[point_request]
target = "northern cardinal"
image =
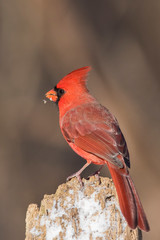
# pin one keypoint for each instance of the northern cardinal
(94, 133)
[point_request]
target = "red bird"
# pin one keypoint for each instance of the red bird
(94, 133)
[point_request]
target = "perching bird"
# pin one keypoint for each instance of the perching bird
(94, 133)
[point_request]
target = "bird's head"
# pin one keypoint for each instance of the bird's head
(71, 88)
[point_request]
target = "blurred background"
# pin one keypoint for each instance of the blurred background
(40, 42)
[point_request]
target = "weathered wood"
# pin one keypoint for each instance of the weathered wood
(76, 212)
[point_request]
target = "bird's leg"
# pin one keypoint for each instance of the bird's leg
(96, 173)
(77, 174)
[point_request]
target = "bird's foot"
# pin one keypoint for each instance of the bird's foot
(78, 176)
(96, 174)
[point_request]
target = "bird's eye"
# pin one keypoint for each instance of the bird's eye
(61, 91)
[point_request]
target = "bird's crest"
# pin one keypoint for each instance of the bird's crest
(78, 76)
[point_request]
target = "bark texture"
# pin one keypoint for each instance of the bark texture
(75, 212)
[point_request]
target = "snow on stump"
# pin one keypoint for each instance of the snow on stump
(74, 212)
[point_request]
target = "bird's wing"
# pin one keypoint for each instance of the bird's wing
(92, 128)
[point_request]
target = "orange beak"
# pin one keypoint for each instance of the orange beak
(51, 95)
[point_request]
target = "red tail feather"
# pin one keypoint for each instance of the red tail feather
(129, 201)
(142, 219)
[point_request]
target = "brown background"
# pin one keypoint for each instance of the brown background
(40, 42)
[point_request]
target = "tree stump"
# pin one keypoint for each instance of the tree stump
(88, 212)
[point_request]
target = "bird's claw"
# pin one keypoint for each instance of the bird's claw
(77, 176)
(96, 174)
